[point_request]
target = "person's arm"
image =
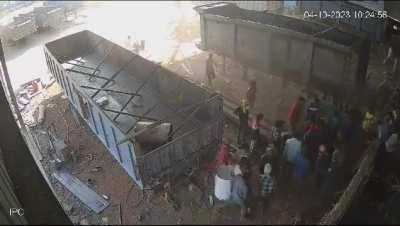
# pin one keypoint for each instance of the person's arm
(285, 150)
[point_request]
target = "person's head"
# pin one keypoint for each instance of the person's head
(267, 169)
(237, 170)
(244, 164)
(323, 149)
(129, 37)
(301, 99)
(210, 56)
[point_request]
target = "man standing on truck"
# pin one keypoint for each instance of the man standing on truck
(210, 69)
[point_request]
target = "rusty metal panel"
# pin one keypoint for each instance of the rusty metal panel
(249, 44)
(326, 71)
(217, 31)
(274, 43)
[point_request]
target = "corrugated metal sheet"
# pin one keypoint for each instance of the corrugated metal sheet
(252, 5)
(89, 197)
(272, 43)
(372, 5)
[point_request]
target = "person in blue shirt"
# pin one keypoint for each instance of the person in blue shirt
(301, 168)
(240, 191)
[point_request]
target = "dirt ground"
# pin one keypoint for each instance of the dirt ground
(274, 97)
(287, 206)
(115, 183)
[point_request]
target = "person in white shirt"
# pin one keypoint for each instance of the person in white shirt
(291, 149)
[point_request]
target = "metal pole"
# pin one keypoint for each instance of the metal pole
(110, 90)
(129, 114)
(8, 87)
(29, 185)
(87, 74)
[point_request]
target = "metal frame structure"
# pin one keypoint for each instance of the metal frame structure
(193, 139)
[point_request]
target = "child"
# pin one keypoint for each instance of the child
(267, 184)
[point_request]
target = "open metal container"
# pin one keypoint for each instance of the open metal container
(305, 52)
(113, 89)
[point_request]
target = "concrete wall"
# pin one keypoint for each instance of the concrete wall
(97, 120)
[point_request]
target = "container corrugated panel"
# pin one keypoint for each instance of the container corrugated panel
(273, 43)
(249, 5)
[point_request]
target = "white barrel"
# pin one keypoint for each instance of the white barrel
(223, 183)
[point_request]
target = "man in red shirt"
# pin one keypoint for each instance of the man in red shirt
(295, 113)
(223, 157)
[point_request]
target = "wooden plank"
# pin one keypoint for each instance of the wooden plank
(89, 197)
(355, 187)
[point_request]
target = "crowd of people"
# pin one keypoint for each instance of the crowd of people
(308, 145)
(311, 145)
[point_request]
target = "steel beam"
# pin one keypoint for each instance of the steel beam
(191, 114)
(138, 90)
(103, 60)
(88, 74)
(40, 205)
(110, 90)
(129, 114)
(115, 75)
(144, 114)
(174, 114)
(82, 66)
